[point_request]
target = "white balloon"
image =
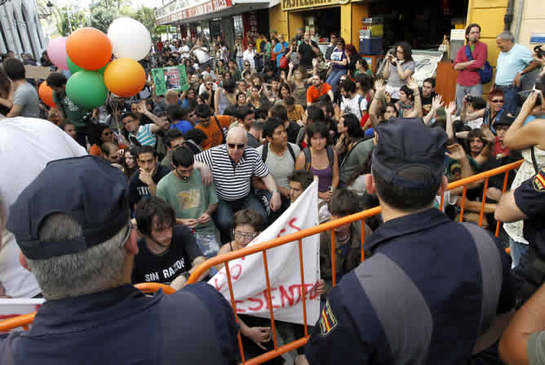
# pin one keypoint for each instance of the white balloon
(129, 38)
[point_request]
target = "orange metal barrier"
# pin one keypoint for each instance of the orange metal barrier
(298, 236)
(26, 319)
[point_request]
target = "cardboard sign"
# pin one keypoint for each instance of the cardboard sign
(169, 78)
(248, 274)
(37, 72)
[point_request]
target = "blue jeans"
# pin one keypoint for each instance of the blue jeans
(517, 250)
(334, 77)
(510, 97)
(226, 209)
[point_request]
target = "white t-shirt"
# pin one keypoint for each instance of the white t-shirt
(26, 146)
(249, 56)
(201, 54)
(354, 105)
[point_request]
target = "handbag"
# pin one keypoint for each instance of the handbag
(283, 63)
(485, 72)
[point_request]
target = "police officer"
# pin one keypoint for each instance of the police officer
(528, 202)
(524, 339)
(76, 237)
(429, 286)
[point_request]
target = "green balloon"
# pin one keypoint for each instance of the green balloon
(87, 89)
(75, 68)
(72, 66)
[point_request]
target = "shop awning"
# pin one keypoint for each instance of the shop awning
(186, 11)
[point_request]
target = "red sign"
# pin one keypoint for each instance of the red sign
(210, 6)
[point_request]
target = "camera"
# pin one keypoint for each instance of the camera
(540, 53)
(469, 98)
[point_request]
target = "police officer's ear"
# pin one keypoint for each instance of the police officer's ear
(443, 186)
(132, 243)
(370, 184)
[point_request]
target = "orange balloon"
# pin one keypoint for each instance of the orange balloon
(124, 77)
(89, 48)
(46, 94)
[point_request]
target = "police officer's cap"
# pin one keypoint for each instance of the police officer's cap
(87, 189)
(409, 153)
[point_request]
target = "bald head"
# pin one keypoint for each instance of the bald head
(237, 138)
(238, 133)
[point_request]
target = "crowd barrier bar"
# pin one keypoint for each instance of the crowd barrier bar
(298, 236)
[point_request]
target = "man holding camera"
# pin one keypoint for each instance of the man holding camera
(467, 63)
(308, 50)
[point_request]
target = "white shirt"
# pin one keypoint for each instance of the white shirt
(202, 54)
(249, 55)
(26, 146)
(354, 105)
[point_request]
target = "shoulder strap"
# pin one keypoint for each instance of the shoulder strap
(292, 153)
(265, 152)
(468, 53)
(221, 129)
(534, 161)
(308, 158)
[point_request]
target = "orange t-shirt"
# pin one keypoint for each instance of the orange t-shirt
(215, 135)
(313, 93)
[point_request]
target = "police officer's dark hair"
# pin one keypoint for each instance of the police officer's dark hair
(279, 111)
(405, 198)
(315, 113)
(55, 79)
(430, 80)
(352, 123)
(270, 125)
(182, 156)
(171, 135)
(146, 149)
(176, 112)
(303, 177)
(250, 217)
(348, 86)
(202, 110)
(147, 209)
(14, 69)
(344, 202)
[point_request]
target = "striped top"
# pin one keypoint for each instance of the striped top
(233, 181)
(145, 137)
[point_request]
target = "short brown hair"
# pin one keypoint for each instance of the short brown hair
(250, 217)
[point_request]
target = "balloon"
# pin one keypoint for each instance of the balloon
(89, 48)
(86, 89)
(129, 38)
(124, 77)
(56, 51)
(46, 94)
(75, 68)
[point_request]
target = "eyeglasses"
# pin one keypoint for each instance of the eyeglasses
(497, 101)
(236, 145)
(245, 235)
(127, 234)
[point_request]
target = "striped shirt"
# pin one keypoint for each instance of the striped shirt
(145, 137)
(233, 181)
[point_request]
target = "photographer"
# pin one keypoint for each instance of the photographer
(471, 111)
(308, 50)
(398, 68)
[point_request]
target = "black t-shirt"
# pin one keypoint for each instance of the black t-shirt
(307, 54)
(530, 198)
(139, 190)
(426, 101)
(293, 131)
(164, 268)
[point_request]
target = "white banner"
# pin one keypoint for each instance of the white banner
(13, 307)
(426, 64)
(248, 275)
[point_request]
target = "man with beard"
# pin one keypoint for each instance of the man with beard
(143, 183)
(192, 201)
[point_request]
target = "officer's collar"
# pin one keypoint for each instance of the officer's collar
(405, 225)
(86, 311)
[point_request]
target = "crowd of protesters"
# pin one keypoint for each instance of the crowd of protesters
(210, 166)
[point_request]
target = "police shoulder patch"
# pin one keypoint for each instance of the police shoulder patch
(539, 181)
(327, 320)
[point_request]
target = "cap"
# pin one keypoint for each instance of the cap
(87, 189)
(505, 119)
(408, 147)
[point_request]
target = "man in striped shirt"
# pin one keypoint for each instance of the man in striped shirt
(233, 165)
(144, 134)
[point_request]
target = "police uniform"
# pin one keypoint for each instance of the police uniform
(429, 286)
(120, 325)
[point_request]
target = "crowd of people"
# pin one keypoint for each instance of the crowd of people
(210, 166)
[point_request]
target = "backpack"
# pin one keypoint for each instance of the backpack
(308, 157)
(485, 73)
(266, 152)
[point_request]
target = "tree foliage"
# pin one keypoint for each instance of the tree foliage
(146, 16)
(69, 20)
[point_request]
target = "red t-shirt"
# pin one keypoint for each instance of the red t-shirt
(313, 93)
(469, 76)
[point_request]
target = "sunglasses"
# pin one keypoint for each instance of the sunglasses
(245, 235)
(107, 134)
(497, 101)
(236, 145)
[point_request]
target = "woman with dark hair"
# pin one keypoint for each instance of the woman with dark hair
(320, 159)
(284, 91)
(339, 64)
(352, 56)
(101, 134)
(398, 68)
(6, 93)
(349, 132)
(129, 161)
(225, 96)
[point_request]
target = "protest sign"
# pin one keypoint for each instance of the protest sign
(248, 275)
(169, 78)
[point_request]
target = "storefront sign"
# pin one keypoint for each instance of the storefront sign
(173, 12)
(302, 4)
(169, 78)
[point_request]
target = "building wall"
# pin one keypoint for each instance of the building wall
(278, 20)
(532, 20)
(21, 30)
